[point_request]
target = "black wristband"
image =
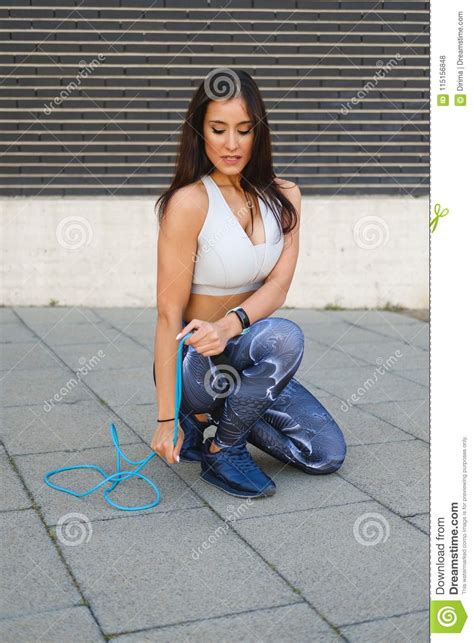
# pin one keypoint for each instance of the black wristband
(242, 315)
(168, 420)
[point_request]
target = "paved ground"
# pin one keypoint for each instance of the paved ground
(331, 557)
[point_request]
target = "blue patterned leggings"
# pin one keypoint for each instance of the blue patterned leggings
(251, 394)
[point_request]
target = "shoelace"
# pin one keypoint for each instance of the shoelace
(243, 459)
(120, 475)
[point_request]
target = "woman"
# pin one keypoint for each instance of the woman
(227, 252)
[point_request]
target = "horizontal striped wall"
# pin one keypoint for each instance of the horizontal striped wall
(346, 85)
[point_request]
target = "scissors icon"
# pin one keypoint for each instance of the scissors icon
(438, 215)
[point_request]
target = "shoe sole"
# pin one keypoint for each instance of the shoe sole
(216, 482)
(183, 458)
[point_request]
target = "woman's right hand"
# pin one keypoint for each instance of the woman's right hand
(162, 441)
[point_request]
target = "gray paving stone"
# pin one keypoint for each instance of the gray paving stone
(296, 490)
(368, 317)
(7, 316)
(54, 504)
(66, 427)
(144, 574)
(62, 333)
(416, 334)
(365, 384)
(27, 356)
(144, 334)
(398, 629)
(33, 576)
(418, 375)
(122, 354)
(340, 333)
(142, 417)
(411, 356)
(16, 332)
(322, 553)
(54, 626)
(297, 622)
(409, 361)
(319, 393)
(422, 521)
(51, 386)
(305, 316)
(410, 415)
(360, 427)
(33, 315)
(126, 386)
(421, 338)
(318, 355)
(395, 474)
(13, 494)
(346, 374)
(123, 317)
(139, 324)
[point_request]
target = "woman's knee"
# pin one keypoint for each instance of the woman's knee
(282, 337)
(335, 460)
(327, 461)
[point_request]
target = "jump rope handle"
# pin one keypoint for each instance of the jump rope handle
(179, 386)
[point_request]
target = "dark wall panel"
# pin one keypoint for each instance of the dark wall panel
(346, 85)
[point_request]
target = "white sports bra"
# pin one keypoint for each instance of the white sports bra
(227, 261)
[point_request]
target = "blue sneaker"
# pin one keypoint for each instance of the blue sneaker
(233, 470)
(193, 429)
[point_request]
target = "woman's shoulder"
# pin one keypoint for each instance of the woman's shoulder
(190, 196)
(292, 191)
(284, 183)
(187, 206)
(290, 187)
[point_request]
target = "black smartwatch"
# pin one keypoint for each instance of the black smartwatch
(242, 315)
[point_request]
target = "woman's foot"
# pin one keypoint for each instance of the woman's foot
(232, 470)
(193, 436)
(213, 448)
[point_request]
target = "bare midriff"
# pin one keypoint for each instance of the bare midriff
(212, 307)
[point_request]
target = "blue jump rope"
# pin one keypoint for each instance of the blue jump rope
(120, 475)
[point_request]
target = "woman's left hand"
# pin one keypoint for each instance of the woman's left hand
(207, 339)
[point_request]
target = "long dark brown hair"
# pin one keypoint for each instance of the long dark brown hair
(258, 177)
